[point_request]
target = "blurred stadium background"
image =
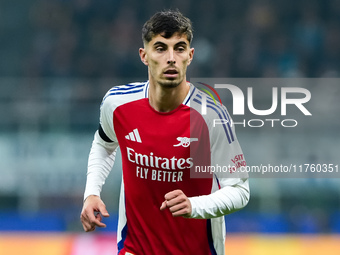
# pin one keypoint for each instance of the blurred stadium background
(59, 57)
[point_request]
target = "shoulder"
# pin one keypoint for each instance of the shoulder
(127, 89)
(214, 113)
(121, 94)
(207, 106)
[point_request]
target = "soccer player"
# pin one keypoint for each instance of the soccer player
(169, 202)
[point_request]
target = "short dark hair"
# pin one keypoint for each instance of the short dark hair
(167, 23)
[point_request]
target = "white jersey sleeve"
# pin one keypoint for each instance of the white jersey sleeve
(100, 162)
(230, 190)
(103, 151)
(105, 143)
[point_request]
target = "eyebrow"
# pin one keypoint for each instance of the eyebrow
(159, 43)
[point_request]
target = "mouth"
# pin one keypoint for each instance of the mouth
(171, 73)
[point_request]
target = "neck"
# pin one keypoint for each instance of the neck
(167, 99)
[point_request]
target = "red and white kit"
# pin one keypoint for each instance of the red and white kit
(162, 152)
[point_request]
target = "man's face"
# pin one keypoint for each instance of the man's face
(167, 59)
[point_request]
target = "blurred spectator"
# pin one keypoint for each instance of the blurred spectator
(92, 39)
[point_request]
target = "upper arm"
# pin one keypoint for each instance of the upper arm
(226, 152)
(106, 128)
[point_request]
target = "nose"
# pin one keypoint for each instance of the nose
(171, 57)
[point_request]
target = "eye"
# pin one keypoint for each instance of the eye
(180, 49)
(160, 49)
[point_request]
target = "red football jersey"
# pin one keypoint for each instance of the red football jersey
(162, 152)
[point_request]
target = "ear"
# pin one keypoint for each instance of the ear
(191, 55)
(143, 56)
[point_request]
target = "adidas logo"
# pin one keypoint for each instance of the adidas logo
(134, 136)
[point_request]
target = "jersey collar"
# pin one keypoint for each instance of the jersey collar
(186, 100)
(146, 89)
